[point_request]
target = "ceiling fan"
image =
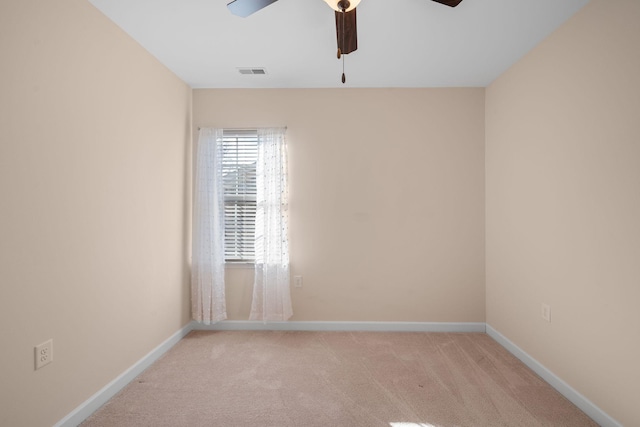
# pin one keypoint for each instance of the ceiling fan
(345, 11)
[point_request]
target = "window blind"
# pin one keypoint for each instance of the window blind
(239, 157)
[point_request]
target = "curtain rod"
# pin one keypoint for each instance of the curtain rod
(254, 128)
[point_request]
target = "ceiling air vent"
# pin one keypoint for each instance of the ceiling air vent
(252, 71)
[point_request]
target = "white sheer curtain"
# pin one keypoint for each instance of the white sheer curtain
(207, 266)
(271, 292)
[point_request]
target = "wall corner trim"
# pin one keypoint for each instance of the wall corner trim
(92, 404)
(594, 412)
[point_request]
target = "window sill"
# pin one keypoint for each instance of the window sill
(239, 265)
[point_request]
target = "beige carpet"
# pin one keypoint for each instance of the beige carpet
(338, 379)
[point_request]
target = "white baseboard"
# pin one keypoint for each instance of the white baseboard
(597, 414)
(92, 404)
(248, 325)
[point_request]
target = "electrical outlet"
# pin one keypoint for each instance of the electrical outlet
(44, 354)
(297, 281)
(545, 312)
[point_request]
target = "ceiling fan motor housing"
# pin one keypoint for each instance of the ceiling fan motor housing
(343, 5)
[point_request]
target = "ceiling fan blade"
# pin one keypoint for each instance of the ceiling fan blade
(245, 8)
(452, 3)
(347, 41)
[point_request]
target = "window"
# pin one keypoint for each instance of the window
(239, 157)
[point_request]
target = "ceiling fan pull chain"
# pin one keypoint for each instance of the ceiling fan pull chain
(344, 79)
(344, 13)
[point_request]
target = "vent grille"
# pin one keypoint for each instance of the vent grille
(256, 71)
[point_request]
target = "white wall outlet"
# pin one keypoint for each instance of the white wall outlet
(545, 312)
(297, 281)
(44, 354)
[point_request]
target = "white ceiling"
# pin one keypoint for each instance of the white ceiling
(401, 43)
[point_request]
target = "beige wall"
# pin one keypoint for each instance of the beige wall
(94, 135)
(387, 203)
(387, 199)
(563, 204)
